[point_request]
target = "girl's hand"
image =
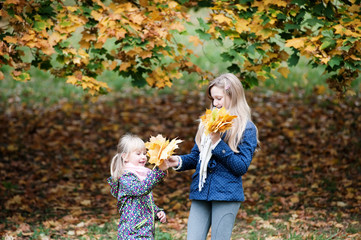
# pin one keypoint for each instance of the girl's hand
(164, 166)
(215, 136)
(162, 217)
(173, 161)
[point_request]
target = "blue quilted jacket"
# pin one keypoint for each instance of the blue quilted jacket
(225, 169)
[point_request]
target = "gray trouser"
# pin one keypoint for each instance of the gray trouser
(219, 215)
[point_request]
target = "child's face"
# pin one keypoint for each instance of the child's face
(219, 98)
(137, 157)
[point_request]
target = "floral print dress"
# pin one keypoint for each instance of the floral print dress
(136, 204)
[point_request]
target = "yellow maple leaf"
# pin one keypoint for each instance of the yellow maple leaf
(217, 120)
(72, 80)
(284, 71)
(196, 41)
(124, 66)
(11, 39)
(177, 26)
(159, 148)
(295, 42)
(242, 25)
(222, 19)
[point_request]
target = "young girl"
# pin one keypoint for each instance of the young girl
(131, 184)
(220, 161)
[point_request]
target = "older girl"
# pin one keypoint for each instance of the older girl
(220, 161)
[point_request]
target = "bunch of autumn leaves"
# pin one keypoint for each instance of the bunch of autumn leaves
(160, 148)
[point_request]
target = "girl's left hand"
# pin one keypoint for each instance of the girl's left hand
(215, 136)
(162, 217)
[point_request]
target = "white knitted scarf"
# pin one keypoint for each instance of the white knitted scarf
(204, 157)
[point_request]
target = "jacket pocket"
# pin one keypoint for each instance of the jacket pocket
(140, 224)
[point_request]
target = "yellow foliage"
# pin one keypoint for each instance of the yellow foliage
(280, 3)
(296, 42)
(217, 120)
(20, 76)
(72, 80)
(177, 26)
(222, 19)
(284, 71)
(172, 4)
(124, 66)
(160, 149)
(10, 39)
(196, 41)
(159, 78)
(242, 25)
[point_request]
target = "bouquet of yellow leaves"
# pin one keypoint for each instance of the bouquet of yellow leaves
(159, 149)
(217, 120)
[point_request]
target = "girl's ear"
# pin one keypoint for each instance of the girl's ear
(123, 156)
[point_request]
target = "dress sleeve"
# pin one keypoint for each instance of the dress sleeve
(238, 163)
(131, 186)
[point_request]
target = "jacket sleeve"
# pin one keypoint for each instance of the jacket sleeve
(190, 160)
(238, 163)
(131, 186)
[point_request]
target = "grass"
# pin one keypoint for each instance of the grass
(44, 89)
(258, 229)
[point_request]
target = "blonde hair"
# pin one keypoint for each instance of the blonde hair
(238, 105)
(127, 144)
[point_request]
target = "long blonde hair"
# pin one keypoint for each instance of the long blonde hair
(238, 105)
(127, 144)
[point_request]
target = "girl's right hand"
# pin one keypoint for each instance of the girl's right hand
(164, 166)
(162, 217)
(173, 161)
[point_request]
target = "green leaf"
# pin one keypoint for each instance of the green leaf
(65, 23)
(234, 68)
(46, 10)
(345, 48)
(336, 60)
(328, 33)
(281, 16)
(299, 2)
(46, 65)
(293, 59)
(137, 77)
(204, 25)
(60, 59)
(39, 26)
(327, 43)
(251, 81)
(330, 14)
(227, 57)
(239, 41)
(203, 35)
(289, 26)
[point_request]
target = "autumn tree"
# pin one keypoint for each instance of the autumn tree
(266, 36)
(270, 35)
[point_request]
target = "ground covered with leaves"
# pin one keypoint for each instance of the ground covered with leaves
(304, 182)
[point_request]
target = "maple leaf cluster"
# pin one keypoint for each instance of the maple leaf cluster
(217, 120)
(160, 148)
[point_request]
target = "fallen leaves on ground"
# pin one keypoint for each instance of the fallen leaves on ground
(304, 178)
